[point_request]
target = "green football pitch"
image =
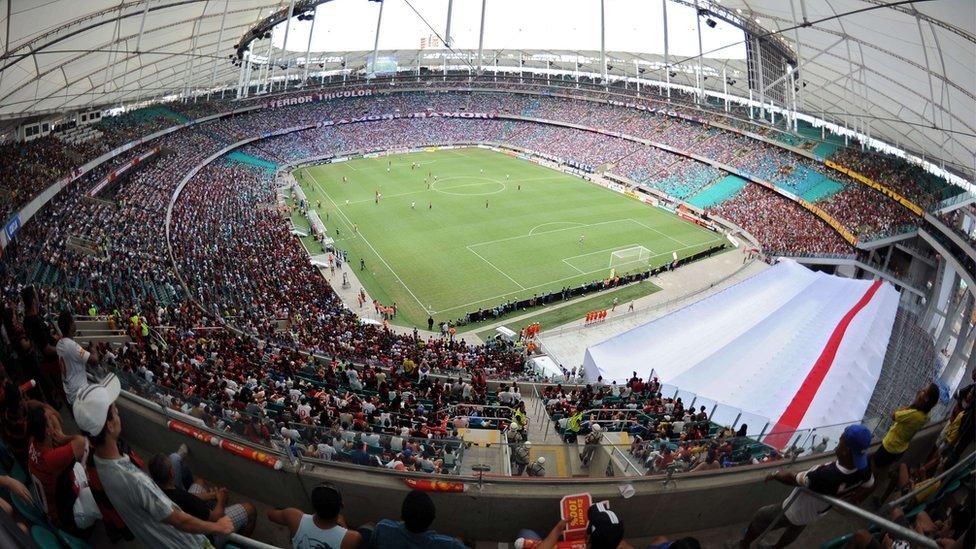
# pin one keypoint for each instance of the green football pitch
(490, 229)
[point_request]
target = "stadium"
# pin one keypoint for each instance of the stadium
(449, 273)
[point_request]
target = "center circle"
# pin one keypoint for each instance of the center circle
(464, 185)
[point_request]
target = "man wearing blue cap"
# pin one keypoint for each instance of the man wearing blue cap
(848, 477)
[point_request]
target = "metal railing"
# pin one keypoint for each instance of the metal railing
(961, 464)
(900, 532)
(249, 543)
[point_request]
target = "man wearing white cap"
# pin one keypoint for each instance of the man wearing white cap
(538, 468)
(593, 440)
(151, 516)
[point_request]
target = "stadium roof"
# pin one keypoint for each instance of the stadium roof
(907, 67)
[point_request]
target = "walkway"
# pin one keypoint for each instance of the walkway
(567, 344)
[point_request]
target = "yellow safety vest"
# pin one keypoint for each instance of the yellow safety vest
(92, 311)
(520, 418)
(575, 422)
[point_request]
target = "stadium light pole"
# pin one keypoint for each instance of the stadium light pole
(220, 39)
(447, 30)
(481, 36)
(240, 75)
(247, 73)
(284, 45)
(376, 42)
(725, 88)
(603, 42)
(637, 76)
(308, 48)
(667, 58)
(700, 77)
(268, 68)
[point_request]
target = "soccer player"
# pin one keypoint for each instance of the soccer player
(413, 205)
(486, 204)
(430, 205)
(362, 264)
(582, 237)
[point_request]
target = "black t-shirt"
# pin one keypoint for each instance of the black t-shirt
(189, 503)
(830, 479)
(38, 333)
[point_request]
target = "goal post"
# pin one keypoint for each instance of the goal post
(629, 257)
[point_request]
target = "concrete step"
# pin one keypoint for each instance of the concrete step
(104, 338)
(483, 447)
(98, 324)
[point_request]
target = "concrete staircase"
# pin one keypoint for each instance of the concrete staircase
(97, 330)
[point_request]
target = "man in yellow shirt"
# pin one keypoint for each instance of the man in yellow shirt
(907, 421)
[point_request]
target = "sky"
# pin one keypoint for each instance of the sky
(631, 25)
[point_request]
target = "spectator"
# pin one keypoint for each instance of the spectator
(538, 467)
(42, 342)
(592, 441)
(326, 528)
(151, 516)
(73, 357)
(412, 532)
(907, 421)
(848, 476)
(520, 457)
(50, 456)
(604, 530)
(13, 419)
(193, 501)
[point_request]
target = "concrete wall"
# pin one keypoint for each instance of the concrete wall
(493, 510)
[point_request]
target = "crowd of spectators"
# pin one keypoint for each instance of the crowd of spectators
(907, 179)
(667, 435)
(782, 226)
(31, 167)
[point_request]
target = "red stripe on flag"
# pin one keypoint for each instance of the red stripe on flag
(797, 408)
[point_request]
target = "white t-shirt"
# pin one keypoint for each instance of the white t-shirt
(73, 359)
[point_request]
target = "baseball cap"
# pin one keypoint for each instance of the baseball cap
(858, 439)
(91, 405)
(605, 529)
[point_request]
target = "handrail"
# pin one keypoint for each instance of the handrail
(885, 524)
(630, 464)
(250, 543)
(962, 463)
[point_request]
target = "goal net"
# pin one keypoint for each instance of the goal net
(630, 257)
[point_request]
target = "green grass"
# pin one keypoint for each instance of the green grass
(450, 254)
(550, 317)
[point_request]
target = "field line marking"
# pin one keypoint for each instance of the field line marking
(580, 271)
(343, 214)
(506, 239)
(577, 223)
(665, 235)
(496, 268)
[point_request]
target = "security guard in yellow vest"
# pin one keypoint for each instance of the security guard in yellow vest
(573, 426)
(519, 419)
